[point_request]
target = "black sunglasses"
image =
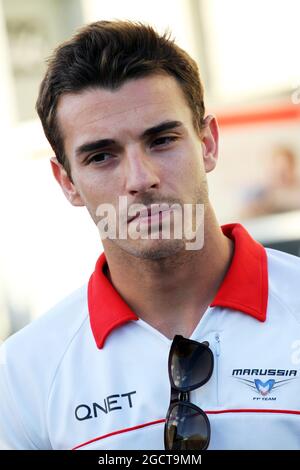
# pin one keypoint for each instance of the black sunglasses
(190, 366)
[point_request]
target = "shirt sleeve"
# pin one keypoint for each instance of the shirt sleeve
(13, 435)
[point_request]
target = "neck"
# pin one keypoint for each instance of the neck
(172, 294)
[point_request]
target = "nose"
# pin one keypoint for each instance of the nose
(141, 173)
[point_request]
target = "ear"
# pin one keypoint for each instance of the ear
(65, 183)
(210, 143)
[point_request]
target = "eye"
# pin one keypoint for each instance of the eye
(165, 140)
(99, 158)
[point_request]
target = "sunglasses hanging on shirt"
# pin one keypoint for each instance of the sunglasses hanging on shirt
(190, 366)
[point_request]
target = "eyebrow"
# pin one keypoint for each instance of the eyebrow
(104, 143)
(163, 126)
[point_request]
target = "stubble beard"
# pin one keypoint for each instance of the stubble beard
(160, 249)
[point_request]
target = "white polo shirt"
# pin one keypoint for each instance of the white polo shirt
(91, 375)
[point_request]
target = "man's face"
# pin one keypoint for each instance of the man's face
(137, 141)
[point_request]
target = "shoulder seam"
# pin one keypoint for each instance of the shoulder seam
(61, 359)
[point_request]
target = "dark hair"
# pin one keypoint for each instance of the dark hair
(106, 54)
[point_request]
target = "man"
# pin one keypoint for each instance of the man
(123, 110)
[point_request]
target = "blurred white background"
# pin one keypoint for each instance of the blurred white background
(248, 57)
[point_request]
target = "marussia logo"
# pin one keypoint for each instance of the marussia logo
(263, 388)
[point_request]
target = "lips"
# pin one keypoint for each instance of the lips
(147, 212)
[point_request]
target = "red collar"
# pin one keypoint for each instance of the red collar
(244, 288)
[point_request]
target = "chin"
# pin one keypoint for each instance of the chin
(153, 249)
